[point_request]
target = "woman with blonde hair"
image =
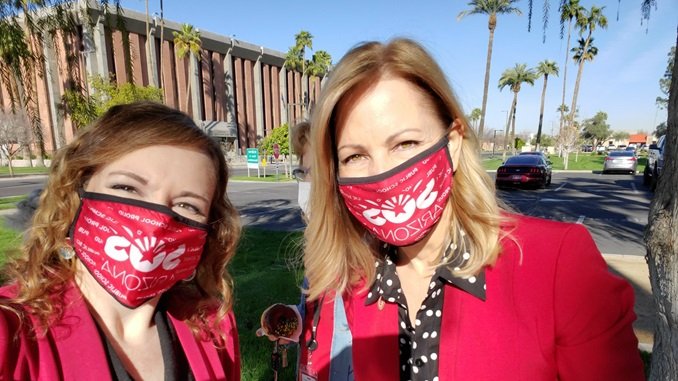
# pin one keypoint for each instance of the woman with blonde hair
(123, 271)
(409, 249)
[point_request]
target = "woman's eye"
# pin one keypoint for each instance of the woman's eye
(189, 207)
(407, 144)
(124, 188)
(352, 158)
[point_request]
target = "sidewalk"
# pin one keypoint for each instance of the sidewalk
(634, 269)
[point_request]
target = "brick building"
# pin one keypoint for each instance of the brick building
(243, 89)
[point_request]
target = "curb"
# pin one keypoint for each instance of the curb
(626, 257)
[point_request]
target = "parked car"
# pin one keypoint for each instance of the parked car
(655, 163)
(600, 149)
(524, 170)
(620, 161)
(611, 147)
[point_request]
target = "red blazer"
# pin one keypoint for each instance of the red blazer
(553, 311)
(73, 349)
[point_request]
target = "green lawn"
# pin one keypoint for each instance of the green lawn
(583, 161)
(4, 170)
(10, 202)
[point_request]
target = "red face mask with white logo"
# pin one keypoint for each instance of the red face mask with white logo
(136, 250)
(401, 206)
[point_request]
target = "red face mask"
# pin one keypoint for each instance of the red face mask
(401, 206)
(136, 250)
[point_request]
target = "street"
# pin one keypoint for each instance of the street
(613, 207)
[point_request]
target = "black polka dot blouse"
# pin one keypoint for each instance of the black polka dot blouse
(419, 344)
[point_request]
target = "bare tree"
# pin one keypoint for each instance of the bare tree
(15, 135)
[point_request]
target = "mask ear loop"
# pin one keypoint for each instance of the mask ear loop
(312, 343)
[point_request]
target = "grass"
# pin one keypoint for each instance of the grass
(4, 170)
(582, 162)
(263, 275)
(10, 202)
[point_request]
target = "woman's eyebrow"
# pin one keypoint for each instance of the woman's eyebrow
(131, 175)
(193, 195)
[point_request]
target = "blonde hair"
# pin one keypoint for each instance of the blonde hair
(41, 275)
(339, 253)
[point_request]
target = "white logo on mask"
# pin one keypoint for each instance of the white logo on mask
(399, 209)
(121, 249)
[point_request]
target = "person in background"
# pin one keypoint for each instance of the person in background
(300, 143)
(432, 278)
(123, 272)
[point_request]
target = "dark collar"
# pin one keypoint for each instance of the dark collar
(455, 256)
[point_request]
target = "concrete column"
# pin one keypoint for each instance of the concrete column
(284, 110)
(53, 92)
(196, 89)
(258, 97)
(152, 59)
(229, 89)
(100, 51)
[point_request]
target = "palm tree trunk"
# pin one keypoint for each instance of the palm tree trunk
(513, 124)
(567, 56)
(188, 83)
(575, 93)
(541, 111)
(506, 130)
(481, 126)
(162, 43)
(662, 251)
(573, 110)
(31, 91)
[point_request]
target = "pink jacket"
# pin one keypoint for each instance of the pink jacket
(73, 349)
(553, 311)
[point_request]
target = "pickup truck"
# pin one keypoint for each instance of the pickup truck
(655, 163)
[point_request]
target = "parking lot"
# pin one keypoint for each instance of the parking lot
(614, 207)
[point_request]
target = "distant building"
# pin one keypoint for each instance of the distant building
(639, 139)
(244, 91)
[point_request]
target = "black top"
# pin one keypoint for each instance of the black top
(419, 345)
(173, 356)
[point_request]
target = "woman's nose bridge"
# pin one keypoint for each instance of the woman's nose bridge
(381, 162)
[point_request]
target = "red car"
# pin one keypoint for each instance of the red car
(524, 170)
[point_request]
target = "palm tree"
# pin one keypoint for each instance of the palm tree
(514, 78)
(568, 11)
(319, 66)
(187, 43)
(295, 59)
(491, 8)
(304, 39)
(24, 25)
(474, 117)
(544, 69)
(582, 53)
(589, 21)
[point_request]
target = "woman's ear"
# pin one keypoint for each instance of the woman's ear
(455, 137)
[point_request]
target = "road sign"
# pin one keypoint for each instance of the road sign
(276, 150)
(252, 158)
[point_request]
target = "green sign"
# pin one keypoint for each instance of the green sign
(252, 156)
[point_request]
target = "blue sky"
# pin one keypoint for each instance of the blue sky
(622, 81)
